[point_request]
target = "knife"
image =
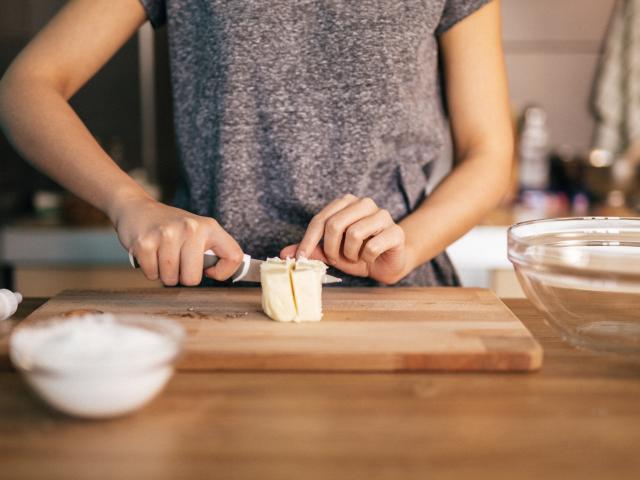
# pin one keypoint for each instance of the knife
(249, 271)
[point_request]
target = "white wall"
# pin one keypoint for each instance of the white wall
(552, 50)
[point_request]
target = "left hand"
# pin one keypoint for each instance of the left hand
(358, 238)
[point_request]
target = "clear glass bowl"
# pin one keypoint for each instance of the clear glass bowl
(584, 275)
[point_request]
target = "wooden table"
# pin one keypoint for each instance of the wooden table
(577, 418)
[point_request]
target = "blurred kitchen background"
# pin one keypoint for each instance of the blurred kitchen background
(568, 70)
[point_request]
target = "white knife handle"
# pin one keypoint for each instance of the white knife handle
(210, 260)
(242, 271)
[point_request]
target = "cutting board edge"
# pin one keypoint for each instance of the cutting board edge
(344, 362)
(538, 353)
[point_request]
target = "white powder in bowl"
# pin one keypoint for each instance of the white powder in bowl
(97, 365)
(90, 343)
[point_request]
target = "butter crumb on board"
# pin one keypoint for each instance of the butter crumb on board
(292, 289)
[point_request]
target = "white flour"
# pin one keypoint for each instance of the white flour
(96, 366)
(93, 342)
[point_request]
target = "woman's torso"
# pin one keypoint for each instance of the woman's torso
(282, 106)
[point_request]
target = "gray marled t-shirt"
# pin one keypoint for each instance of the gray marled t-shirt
(283, 105)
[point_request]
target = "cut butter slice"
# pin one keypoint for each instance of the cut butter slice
(292, 290)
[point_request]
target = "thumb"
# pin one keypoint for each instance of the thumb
(289, 251)
(318, 254)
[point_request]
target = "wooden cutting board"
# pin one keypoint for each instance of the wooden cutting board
(366, 329)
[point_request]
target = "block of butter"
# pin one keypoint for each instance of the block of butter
(292, 289)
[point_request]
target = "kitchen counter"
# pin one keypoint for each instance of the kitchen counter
(579, 417)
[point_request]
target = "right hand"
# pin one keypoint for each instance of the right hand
(169, 243)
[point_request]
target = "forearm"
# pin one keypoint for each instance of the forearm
(478, 105)
(456, 205)
(43, 127)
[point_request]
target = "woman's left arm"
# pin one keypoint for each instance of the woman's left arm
(363, 240)
(478, 103)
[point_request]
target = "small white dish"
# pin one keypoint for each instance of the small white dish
(97, 365)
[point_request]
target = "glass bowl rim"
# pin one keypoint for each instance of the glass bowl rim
(554, 256)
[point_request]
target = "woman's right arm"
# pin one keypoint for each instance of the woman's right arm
(38, 120)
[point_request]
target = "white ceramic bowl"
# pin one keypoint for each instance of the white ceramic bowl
(584, 275)
(92, 388)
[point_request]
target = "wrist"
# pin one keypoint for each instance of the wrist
(412, 262)
(408, 266)
(124, 197)
(412, 252)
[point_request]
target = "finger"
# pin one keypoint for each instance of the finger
(337, 224)
(146, 254)
(318, 254)
(315, 230)
(289, 251)
(169, 257)
(358, 269)
(191, 261)
(389, 239)
(360, 231)
(229, 252)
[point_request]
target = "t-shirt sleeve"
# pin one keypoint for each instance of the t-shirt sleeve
(156, 11)
(456, 10)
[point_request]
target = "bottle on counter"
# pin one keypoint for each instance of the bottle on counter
(533, 150)
(9, 302)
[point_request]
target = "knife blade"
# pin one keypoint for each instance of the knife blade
(249, 271)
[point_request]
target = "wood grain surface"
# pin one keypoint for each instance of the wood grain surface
(577, 418)
(379, 329)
